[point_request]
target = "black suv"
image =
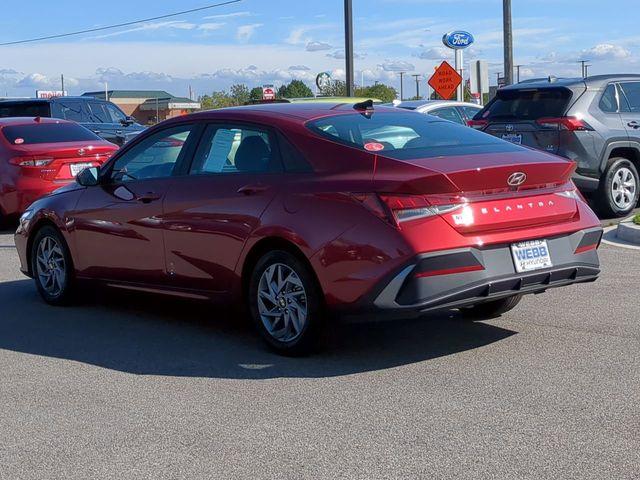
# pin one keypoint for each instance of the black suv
(103, 118)
(594, 121)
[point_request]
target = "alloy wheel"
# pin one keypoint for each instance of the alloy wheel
(623, 188)
(282, 302)
(51, 266)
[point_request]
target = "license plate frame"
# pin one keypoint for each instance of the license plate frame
(515, 138)
(76, 168)
(531, 255)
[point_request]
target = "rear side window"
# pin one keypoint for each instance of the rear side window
(631, 91)
(608, 102)
(528, 104)
(470, 112)
(404, 135)
(98, 112)
(292, 159)
(73, 111)
(47, 133)
(447, 113)
(31, 109)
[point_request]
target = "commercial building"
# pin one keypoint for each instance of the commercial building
(148, 106)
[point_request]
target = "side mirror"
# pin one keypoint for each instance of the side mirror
(89, 177)
(128, 121)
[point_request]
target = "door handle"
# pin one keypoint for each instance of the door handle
(253, 189)
(633, 124)
(118, 132)
(148, 197)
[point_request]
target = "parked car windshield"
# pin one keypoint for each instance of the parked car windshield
(24, 109)
(527, 104)
(405, 135)
(47, 133)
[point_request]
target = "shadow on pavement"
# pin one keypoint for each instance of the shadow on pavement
(151, 335)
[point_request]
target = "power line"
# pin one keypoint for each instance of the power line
(126, 24)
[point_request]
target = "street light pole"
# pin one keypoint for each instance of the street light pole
(518, 73)
(508, 42)
(402, 86)
(417, 77)
(583, 65)
(348, 40)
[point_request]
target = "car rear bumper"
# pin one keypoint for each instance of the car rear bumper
(469, 276)
(584, 183)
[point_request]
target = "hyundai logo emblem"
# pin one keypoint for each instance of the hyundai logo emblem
(508, 128)
(81, 152)
(516, 179)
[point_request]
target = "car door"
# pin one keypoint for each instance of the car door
(118, 224)
(211, 211)
(448, 113)
(101, 123)
(630, 109)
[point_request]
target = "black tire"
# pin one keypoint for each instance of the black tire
(308, 336)
(493, 309)
(67, 281)
(606, 193)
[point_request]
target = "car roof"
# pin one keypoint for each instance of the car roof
(47, 100)
(13, 121)
(293, 112)
(550, 82)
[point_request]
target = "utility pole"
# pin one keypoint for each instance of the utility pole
(402, 85)
(417, 77)
(518, 73)
(582, 65)
(508, 42)
(348, 40)
(62, 82)
(586, 70)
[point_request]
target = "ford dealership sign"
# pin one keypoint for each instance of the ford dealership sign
(458, 39)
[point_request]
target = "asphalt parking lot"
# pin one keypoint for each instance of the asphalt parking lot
(128, 387)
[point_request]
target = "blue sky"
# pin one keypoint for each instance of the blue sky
(257, 41)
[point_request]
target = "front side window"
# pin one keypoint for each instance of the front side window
(98, 113)
(631, 92)
(114, 113)
(609, 102)
(233, 150)
(155, 157)
(447, 113)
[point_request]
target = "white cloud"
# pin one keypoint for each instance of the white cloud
(340, 55)
(397, 66)
(435, 53)
(605, 51)
(245, 32)
(153, 26)
(299, 67)
(228, 15)
(38, 80)
(210, 27)
(317, 46)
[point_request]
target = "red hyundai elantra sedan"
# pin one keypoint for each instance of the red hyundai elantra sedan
(39, 155)
(304, 212)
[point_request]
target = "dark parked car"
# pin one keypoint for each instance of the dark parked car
(103, 118)
(593, 121)
(296, 210)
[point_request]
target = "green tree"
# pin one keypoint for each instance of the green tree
(379, 90)
(256, 93)
(239, 93)
(217, 100)
(337, 88)
(295, 89)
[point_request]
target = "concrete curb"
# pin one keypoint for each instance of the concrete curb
(630, 237)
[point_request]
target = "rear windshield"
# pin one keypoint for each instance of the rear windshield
(527, 104)
(47, 133)
(26, 109)
(405, 135)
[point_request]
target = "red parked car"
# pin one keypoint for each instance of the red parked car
(307, 211)
(39, 155)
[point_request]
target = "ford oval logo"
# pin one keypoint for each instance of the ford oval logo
(516, 179)
(458, 39)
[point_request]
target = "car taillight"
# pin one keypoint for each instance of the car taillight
(31, 161)
(477, 124)
(564, 123)
(414, 207)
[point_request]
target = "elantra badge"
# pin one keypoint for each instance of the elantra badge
(516, 179)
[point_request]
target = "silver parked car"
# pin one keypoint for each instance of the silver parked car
(458, 112)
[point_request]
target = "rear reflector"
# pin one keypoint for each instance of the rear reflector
(450, 271)
(564, 123)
